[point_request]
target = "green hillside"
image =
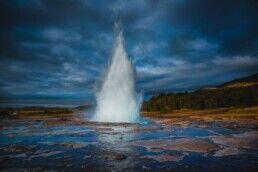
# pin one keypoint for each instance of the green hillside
(241, 92)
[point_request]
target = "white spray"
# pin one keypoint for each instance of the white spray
(117, 100)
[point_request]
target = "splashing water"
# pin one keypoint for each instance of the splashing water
(117, 100)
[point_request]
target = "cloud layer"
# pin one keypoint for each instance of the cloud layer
(59, 49)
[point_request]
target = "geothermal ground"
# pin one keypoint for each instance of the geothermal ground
(60, 139)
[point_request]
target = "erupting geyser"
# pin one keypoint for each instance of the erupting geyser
(117, 100)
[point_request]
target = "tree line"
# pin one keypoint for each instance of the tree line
(204, 99)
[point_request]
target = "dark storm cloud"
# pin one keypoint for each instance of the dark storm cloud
(232, 23)
(54, 48)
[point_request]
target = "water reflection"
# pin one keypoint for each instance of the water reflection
(115, 145)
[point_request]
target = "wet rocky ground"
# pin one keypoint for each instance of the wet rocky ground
(70, 142)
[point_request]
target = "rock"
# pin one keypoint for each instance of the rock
(163, 157)
(182, 144)
(120, 157)
(228, 151)
(246, 140)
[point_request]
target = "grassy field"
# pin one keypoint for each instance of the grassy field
(226, 117)
(235, 114)
(225, 112)
(36, 112)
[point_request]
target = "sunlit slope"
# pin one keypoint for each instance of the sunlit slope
(242, 82)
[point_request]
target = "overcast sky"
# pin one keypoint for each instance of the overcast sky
(60, 49)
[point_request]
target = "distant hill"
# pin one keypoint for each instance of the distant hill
(242, 82)
(241, 92)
